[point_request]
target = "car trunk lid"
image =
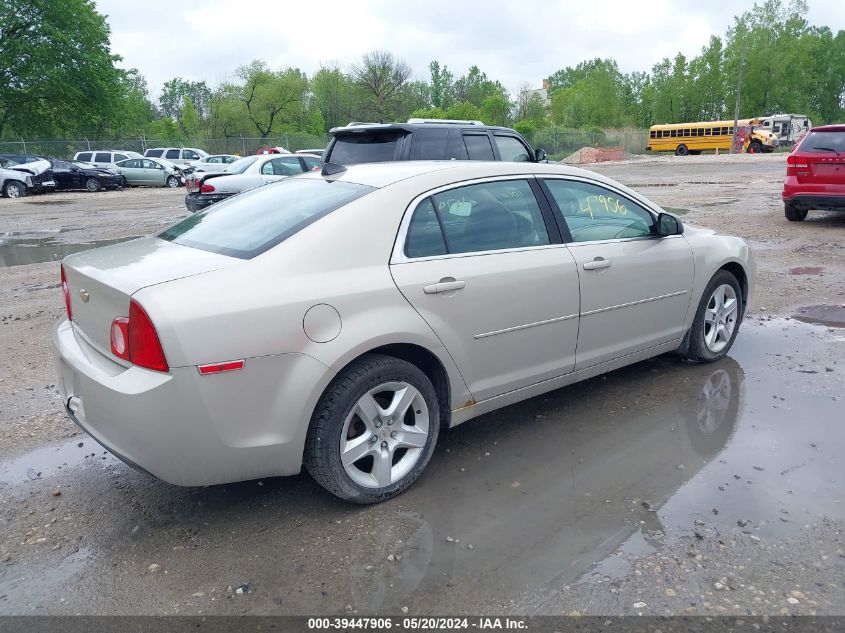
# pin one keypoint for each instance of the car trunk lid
(101, 281)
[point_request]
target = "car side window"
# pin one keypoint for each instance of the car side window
(118, 157)
(216, 160)
(484, 217)
(155, 153)
(284, 167)
(425, 239)
(512, 149)
(172, 154)
(188, 154)
(229, 159)
(312, 163)
(102, 157)
(267, 168)
(149, 164)
(84, 157)
(594, 213)
(478, 147)
(131, 164)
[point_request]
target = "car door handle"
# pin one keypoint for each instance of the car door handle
(447, 284)
(598, 262)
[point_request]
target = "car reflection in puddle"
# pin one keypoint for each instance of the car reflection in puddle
(528, 503)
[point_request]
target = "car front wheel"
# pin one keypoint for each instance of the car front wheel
(93, 185)
(374, 430)
(14, 189)
(173, 182)
(717, 319)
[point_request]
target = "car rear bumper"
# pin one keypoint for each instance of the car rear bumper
(188, 429)
(196, 202)
(813, 196)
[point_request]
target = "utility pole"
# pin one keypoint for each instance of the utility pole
(738, 92)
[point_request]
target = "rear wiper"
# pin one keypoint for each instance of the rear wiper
(827, 149)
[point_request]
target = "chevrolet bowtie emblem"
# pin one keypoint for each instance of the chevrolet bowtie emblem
(84, 295)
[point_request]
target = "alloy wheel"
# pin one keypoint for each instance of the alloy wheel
(720, 318)
(384, 435)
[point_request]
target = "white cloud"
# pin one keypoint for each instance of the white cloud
(510, 41)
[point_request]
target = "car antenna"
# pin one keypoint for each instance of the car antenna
(330, 169)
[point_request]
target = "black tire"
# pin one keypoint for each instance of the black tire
(172, 182)
(93, 184)
(322, 445)
(698, 350)
(755, 147)
(14, 189)
(793, 213)
(681, 150)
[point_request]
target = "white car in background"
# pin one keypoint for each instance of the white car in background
(340, 319)
(244, 174)
(14, 183)
(181, 156)
(214, 164)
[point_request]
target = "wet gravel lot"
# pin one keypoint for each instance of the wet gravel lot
(661, 488)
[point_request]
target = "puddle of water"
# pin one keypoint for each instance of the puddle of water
(572, 485)
(49, 461)
(15, 251)
(833, 316)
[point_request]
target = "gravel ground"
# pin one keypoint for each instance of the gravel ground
(662, 488)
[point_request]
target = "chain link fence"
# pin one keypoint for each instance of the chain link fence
(559, 144)
(239, 145)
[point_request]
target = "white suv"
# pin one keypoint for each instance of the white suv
(105, 158)
(181, 156)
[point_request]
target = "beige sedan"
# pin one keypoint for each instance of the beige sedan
(340, 319)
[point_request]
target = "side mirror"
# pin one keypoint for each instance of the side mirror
(668, 224)
(539, 155)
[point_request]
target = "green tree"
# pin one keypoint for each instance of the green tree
(57, 74)
(441, 86)
(174, 92)
(332, 93)
(273, 100)
(380, 76)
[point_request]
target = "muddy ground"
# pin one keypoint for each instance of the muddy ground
(661, 488)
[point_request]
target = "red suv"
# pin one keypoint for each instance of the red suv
(815, 173)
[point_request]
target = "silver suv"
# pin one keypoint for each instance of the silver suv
(104, 158)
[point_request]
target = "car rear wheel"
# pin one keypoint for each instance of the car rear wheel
(172, 182)
(14, 189)
(374, 430)
(793, 213)
(717, 319)
(93, 185)
(681, 150)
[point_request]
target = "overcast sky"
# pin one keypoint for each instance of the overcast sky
(512, 41)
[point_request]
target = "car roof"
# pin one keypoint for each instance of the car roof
(828, 128)
(360, 128)
(384, 174)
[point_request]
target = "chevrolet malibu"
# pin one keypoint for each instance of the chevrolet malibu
(341, 319)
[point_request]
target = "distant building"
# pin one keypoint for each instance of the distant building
(543, 93)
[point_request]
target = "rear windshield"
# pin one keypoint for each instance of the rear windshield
(351, 149)
(241, 165)
(249, 224)
(824, 142)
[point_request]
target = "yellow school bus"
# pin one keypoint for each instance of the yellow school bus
(693, 138)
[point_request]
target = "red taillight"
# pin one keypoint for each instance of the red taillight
(120, 337)
(797, 166)
(66, 290)
(144, 347)
(206, 188)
